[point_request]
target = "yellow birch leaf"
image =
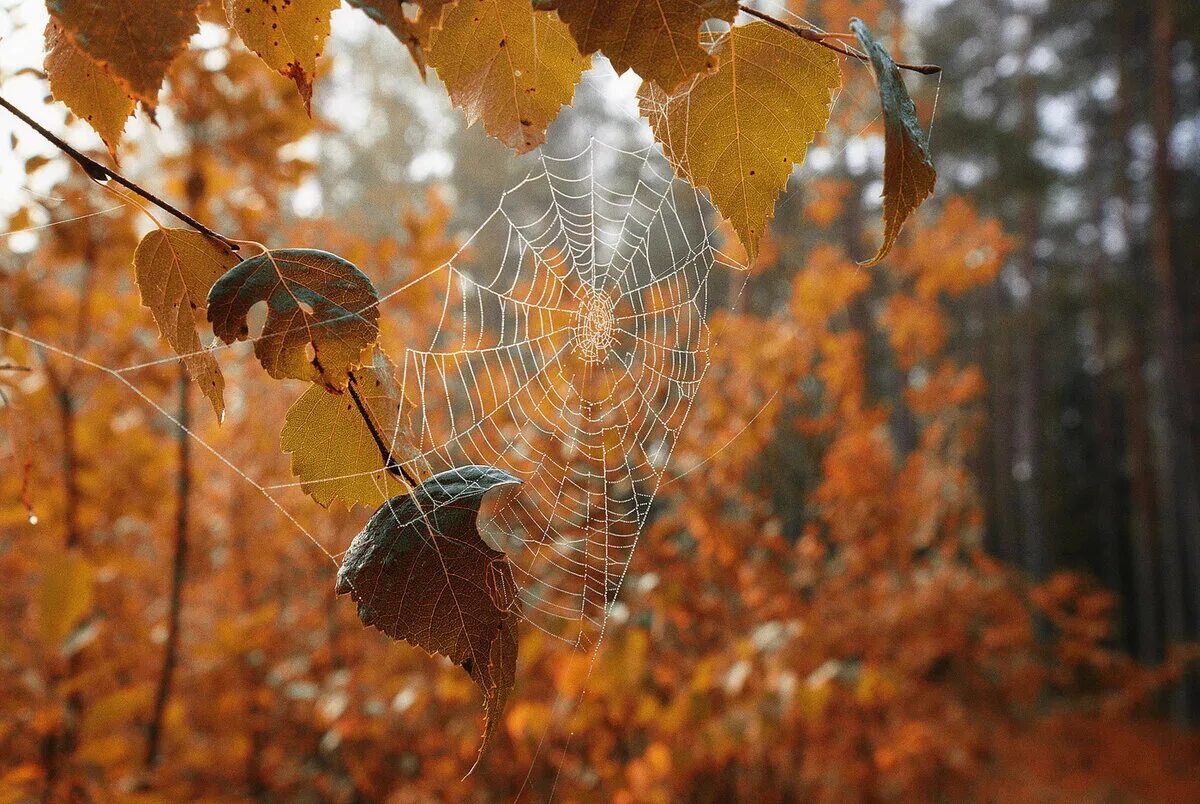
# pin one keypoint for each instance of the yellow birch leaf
(739, 131)
(334, 454)
(87, 89)
(658, 39)
(413, 31)
(175, 269)
(135, 40)
(507, 65)
(289, 35)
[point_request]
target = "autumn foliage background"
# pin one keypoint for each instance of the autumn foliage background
(819, 609)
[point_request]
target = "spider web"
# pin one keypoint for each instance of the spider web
(570, 358)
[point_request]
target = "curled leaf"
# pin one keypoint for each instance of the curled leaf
(908, 174)
(321, 313)
(420, 571)
(413, 31)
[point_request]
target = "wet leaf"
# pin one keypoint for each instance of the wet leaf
(739, 131)
(321, 313)
(175, 269)
(420, 571)
(908, 174)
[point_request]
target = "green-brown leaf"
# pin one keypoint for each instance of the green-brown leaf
(321, 313)
(908, 174)
(420, 571)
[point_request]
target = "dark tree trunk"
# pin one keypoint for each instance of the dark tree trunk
(183, 486)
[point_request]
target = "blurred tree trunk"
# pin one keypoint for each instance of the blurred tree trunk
(1026, 464)
(1179, 505)
(183, 486)
(1144, 542)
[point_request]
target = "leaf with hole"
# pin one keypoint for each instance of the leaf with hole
(420, 571)
(908, 174)
(507, 65)
(175, 269)
(658, 39)
(322, 313)
(334, 453)
(739, 131)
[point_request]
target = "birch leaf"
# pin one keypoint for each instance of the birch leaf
(420, 571)
(135, 40)
(739, 131)
(658, 39)
(88, 90)
(334, 454)
(413, 31)
(321, 313)
(507, 65)
(908, 174)
(289, 35)
(175, 269)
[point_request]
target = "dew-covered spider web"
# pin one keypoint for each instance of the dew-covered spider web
(569, 347)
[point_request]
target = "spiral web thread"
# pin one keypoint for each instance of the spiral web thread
(571, 359)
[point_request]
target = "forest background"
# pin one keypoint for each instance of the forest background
(932, 530)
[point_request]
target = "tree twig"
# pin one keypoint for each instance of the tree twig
(99, 173)
(389, 461)
(821, 39)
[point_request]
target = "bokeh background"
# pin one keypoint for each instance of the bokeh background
(932, 531)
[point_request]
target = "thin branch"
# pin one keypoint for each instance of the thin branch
(813, 35)
(389, 461)
(99, 173)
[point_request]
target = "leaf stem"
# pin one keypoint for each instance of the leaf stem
(389, 461)
(813, 35)
(99, 173)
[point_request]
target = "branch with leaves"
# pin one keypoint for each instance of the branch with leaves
(322, 323)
